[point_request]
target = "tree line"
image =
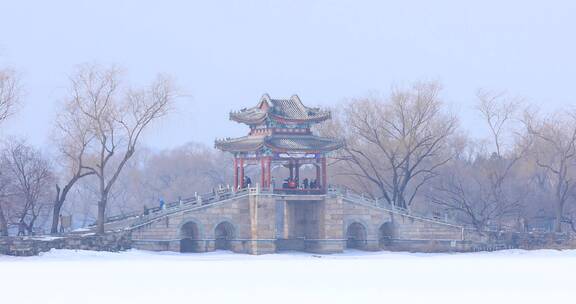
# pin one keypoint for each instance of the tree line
(408, 150)
(405, 149)
(98, 127)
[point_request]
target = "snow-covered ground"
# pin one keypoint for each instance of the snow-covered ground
(513, 276)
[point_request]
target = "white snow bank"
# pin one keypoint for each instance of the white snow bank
(82, 229)
(44, 238)
(511, 276)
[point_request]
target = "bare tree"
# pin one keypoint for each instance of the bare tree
(554, 150)
(498, 111)
(482, 188)
(397, 144)
(73, 136)
(30, 174)
(4, 199)
(9, 93)
(9, 97)
(150, 175)
(117, 119)
(182, 171)
(480, 192)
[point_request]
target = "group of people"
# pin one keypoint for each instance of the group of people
(293, 183)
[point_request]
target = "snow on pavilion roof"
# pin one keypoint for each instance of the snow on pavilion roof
(280, 143)
(282, 110)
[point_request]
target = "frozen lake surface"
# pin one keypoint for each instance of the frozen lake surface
(67, 276)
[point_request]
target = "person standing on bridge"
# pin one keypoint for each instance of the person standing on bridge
(162, 203)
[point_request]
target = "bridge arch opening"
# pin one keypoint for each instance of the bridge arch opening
(356, 236)
(190, 236)
(385, 234)
(224, 233)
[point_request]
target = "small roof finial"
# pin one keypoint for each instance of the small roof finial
(265, 99)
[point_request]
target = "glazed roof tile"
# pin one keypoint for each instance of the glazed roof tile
(283, 109)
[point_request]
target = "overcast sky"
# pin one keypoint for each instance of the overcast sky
(226, 54)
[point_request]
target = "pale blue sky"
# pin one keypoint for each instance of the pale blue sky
(226, 54)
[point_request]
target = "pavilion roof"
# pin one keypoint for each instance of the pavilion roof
(283, 110)
(279, 143)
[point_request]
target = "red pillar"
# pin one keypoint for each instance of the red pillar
(324, 179)
(235, 174)
(263, 172)
(265, 168)
(241, 175)
(318, 168)
(269, 172)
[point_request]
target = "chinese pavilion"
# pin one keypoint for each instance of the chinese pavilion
(281, 136)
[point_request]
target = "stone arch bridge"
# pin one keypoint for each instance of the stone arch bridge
(257, 222)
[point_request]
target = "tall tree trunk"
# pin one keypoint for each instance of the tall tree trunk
(21, 228)
(30, 229)
(56, 212)
(61, 195)
(401, 202)
(3, 223)
(56, 217)
(30, 225)
(558, 222)
(101, 214)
